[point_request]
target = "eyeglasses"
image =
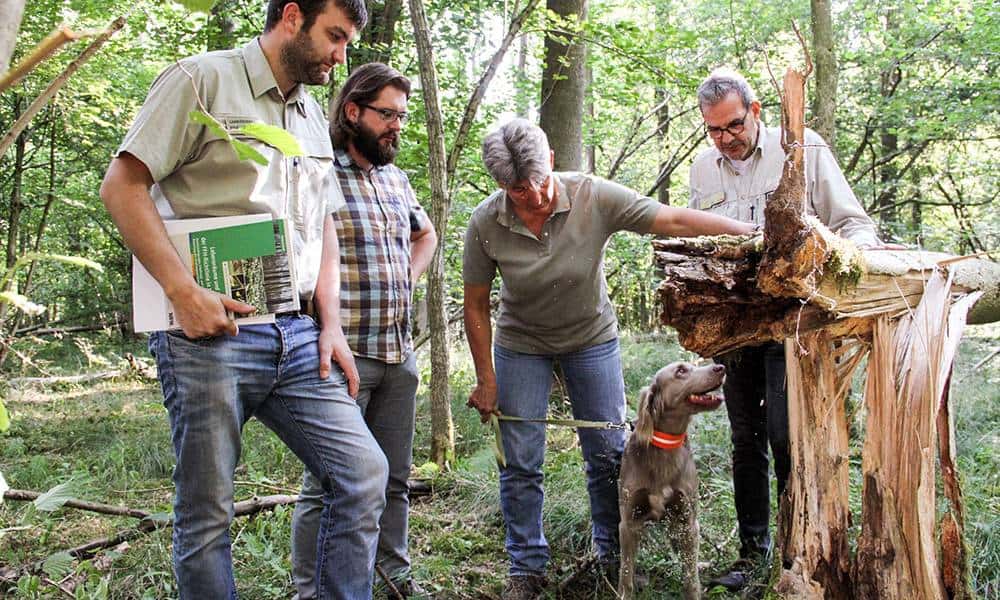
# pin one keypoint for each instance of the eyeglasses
(533, 186)
(388, 115)
(735, 127)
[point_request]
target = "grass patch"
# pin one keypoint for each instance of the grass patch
(111, 439)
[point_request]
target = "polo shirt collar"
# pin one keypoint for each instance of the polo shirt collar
(505, 212)
(262, 79)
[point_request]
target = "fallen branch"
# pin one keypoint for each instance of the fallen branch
(242, 508)
(84, 378)
(106, 509)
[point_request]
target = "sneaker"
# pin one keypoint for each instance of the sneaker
(736, 578)
(523, 587)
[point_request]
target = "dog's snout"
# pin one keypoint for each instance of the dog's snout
(720, 369)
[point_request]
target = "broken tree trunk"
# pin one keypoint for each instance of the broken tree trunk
(830, 303)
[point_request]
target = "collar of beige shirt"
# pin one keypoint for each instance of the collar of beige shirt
(262, 80)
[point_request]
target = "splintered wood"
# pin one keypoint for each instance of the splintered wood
(833, 306)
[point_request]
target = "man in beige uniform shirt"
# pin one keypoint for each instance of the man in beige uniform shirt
(214, 376)
(736, 178)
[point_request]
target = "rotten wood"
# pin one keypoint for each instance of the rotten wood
(106, 509)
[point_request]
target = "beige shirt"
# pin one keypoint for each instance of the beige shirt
(553, 296)
(719, 186)
(199, 175)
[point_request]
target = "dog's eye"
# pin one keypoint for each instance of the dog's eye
(681, 371)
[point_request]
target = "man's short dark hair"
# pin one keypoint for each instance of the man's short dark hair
(354, 9)
(362, 87)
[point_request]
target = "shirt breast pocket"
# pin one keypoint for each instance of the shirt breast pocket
(309, 186)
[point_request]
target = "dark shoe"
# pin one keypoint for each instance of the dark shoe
(523, 587)
(736, 578)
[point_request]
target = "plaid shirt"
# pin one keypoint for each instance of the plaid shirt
(373, 228)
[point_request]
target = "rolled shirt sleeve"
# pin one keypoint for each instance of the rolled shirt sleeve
(162, 136)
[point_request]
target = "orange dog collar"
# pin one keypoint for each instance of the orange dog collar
(668, 441)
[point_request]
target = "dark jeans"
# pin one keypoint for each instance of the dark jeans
(757, 402)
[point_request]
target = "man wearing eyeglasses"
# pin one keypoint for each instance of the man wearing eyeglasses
(386, 243)
(735, 178)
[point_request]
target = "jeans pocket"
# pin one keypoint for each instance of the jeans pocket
(158, 347)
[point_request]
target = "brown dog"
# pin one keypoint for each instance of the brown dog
(658, 476)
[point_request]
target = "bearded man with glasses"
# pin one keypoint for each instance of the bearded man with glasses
(386, 243)
(735, 178)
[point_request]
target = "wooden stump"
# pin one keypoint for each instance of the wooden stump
(814, 520)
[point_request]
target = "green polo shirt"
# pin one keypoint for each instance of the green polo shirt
(198, 174)
(553, 296)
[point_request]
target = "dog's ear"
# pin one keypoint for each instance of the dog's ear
(644, 418)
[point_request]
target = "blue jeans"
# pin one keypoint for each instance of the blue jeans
(387, 396)
(757, 404)
(597, 393)
(211, 387)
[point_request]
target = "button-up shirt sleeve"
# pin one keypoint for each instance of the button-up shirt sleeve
(833, 200)
(162, 136)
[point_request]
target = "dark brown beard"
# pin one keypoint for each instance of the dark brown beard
(367, 144)
(299, 59)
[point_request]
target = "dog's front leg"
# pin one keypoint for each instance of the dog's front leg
(628, 533)
(685, 538)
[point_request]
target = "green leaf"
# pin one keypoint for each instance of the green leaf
(197, 5)
(76, 261)
(55, 497)
(277, 137)
(24, 305)
(246, 152)
(58, 565)
(202, 118)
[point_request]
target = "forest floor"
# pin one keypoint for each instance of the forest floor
(109, 441)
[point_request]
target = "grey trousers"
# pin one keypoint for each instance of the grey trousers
(387, 397)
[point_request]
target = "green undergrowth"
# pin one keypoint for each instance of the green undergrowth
(110, 440)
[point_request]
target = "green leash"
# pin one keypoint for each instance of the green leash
(575, 423)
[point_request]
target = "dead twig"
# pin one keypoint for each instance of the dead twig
(106, 509)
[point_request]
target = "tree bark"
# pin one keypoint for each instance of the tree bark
(221, 27)
(12, 11)
(889, 140)
(824, 107)
(378, 37)
(564, 86)
(442, 428)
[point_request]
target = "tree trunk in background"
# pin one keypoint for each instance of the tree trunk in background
(590, 151)
(521, 77)
(12, 11)
(563, 87)
(888, 174)
(663, 128)
(442, 428)
(824, 108)
(221, 27)
(378, 36)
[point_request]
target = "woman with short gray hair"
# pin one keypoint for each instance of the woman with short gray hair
(545, 232)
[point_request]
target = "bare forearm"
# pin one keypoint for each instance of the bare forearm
(125, 193)
(479, 334)
(686, 222)
(327, 295)
(422, 252)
